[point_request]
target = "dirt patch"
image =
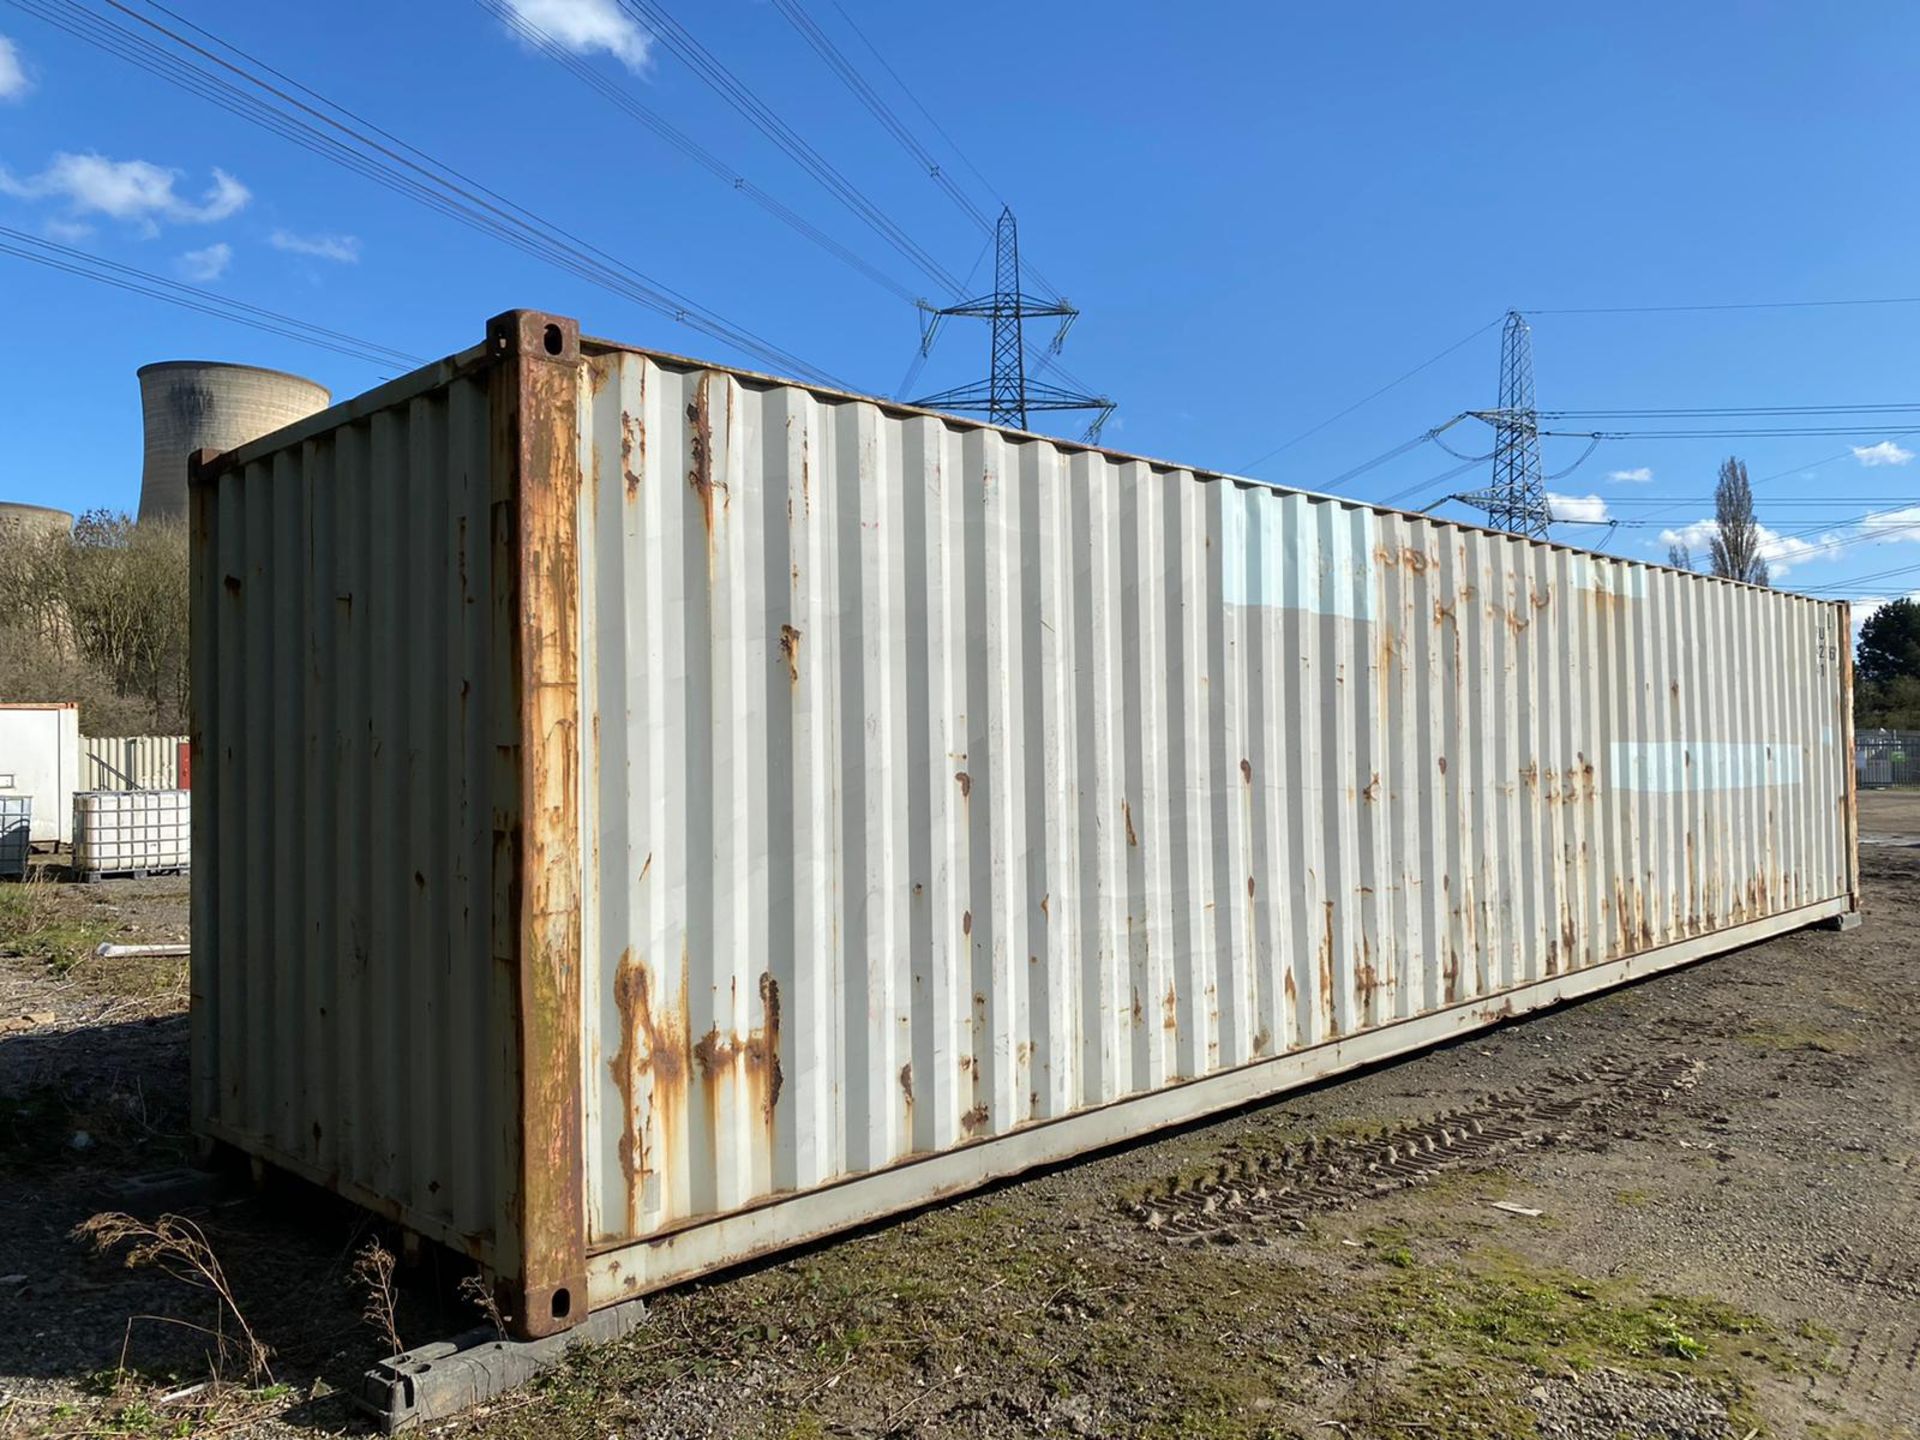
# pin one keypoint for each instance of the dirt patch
(1738, 1254)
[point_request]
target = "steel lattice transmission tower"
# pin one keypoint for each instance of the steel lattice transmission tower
(1009, 395)
(1517, 499)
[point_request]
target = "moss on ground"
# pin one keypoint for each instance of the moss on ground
(980, 1305)
(1802, 1037)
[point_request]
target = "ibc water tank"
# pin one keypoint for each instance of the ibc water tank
(204, 404)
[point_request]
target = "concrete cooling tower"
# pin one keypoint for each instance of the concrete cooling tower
(33, 521)
(203, 404)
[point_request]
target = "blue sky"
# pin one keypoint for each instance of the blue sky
(1266, 212)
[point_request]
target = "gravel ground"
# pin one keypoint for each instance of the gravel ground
(1734, 1255)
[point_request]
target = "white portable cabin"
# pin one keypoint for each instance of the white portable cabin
(40, 757)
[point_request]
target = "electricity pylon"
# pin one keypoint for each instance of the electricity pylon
(1009, 395)
(1517, 499)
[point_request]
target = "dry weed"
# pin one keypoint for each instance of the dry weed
(475, 1290)
(179, 1248)
(373, 1273)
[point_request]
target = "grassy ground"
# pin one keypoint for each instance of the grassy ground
(35, 924)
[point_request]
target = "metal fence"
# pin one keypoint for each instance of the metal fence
(1886, 757)
(131, 762)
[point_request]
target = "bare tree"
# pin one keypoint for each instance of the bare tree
(1680, 557)
(1735, 546)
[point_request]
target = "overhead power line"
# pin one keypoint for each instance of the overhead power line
(623, 99)
(1368, 399)
(101, 270)
(1857, 581)
(907, 90)
(849, 75)
(337, 134)
(1724, 434)
(1729, 411)
(1736, 305)
(741, 96)
(922, 156)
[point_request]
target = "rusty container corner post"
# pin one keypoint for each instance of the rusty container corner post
(1851, 800)
(533, 395)
(202, 662)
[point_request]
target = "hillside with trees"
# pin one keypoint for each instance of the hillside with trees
(98, 616)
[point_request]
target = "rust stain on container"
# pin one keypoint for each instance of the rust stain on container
(700, 475)
(1126, 814)
(654, 1049)
(633, 453)
(1327, 1012)
(965, 782)
(790, 649)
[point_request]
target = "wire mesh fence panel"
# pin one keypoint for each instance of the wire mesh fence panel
(1887, 757)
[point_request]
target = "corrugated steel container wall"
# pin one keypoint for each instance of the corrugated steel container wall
(130, 762)
(947, 781)
(344, 1016)
(939, 801)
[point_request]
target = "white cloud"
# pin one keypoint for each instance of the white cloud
(1576, 507)
(1640, 475)
(1885, 453)
(66, 231)
(1784, 552)
(584, 26)
(13, 71)
(343, 248)
(1890, 526)
(136, 191)
(1863, 608)
(1781, 552)
(208, 264)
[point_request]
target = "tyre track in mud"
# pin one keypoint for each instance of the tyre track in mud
(1247, 1195)
(1877, 1363)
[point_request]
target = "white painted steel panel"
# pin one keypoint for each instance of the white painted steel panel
(40, 758)
(947, 782)
(130, 762)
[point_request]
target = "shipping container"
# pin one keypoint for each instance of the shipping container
(132, 762)
(130, 832)
(40, 758)
(649, 814)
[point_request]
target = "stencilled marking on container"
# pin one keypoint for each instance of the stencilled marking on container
(1294, 552)
(1671, 767)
